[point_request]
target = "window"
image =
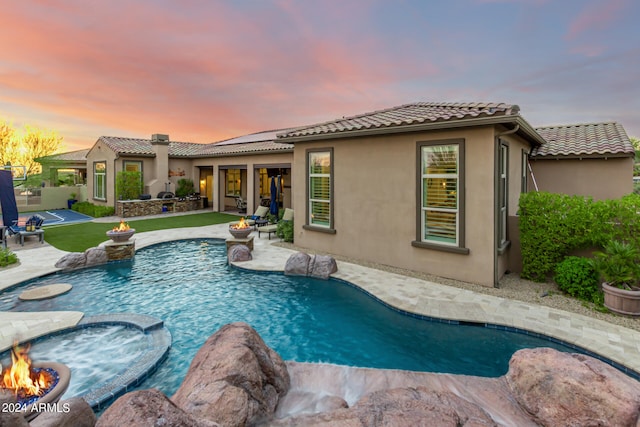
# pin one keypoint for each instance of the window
(265, 183)
(503, 192)
(234, 182)
(440, 220)
(319, 169)
(100, 180)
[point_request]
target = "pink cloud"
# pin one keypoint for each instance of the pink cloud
(598, 15)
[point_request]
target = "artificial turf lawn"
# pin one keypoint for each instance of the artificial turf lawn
(79, 237)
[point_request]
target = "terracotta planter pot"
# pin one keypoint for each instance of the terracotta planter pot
(621, 301)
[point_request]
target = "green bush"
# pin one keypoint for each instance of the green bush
(285, 231)
(96, 211)
(185, 187)
(552, 225)
(7, 257)
(577, 277)
(128, 185)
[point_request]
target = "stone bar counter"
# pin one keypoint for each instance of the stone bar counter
(131, 208)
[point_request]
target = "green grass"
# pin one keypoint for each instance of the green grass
(80, 237)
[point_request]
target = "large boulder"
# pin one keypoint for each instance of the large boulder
(322, 266)
(297, 264)
(239, 253)
(96, 256)
(572, 389)
(8, 416)
(146, 408)
(318, 266)
(74, 412)
(234, 379)
(72, 260)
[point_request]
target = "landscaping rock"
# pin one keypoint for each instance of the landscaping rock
(146, 408)
(72, 260)
(9, 418)
(317, 266)
(75, 412)
(572, 389)
(239, 253)
(297, 264)
(95, 256)
(322, 266)
(234, 379)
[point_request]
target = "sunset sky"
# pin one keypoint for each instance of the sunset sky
(206, 70)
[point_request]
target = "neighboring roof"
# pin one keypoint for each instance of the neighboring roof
(412, 117)
(254, 143)
(585, 139)
(143, 147)
(70, 156)
(246, 144)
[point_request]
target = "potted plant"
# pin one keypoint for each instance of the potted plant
(618, 266)
(72, 199)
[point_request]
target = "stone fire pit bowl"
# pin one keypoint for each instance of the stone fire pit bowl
(120, 236)
(240, 233)
(53, 395)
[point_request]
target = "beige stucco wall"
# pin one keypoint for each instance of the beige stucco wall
(375, 210)
(600, 178)
(98, 153)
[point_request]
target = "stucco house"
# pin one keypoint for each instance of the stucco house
(431, 187)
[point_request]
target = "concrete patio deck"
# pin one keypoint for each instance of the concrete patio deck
(619, 344)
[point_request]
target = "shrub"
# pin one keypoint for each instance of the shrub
(96, 211)
(552, 225)
(285, 231)
(128, 185)
(7, 257)
(185, 187)
(577, 277)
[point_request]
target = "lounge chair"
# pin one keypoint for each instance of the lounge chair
(30, 227)
(260, 214)
(272, 228)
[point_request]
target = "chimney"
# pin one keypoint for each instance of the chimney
(160, 146)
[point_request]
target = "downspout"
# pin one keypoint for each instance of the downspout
(496, 209)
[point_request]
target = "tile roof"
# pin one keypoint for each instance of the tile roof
(70, 156)
(588, 139)
(143, 147)
(408, 114)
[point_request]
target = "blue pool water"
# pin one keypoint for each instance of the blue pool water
(189, 285)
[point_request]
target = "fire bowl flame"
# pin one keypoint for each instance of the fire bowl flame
(121, 233)
(241, 230)
(35, 386)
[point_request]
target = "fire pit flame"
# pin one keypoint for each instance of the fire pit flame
(122, 227)
(241, 225)
(20, 378)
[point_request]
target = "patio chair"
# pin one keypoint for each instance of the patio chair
(272, 228)
(241, 204)
(31, 227)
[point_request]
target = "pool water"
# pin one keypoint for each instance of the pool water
(189, 285)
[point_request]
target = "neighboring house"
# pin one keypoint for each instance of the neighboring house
(431, 187)
(239, 167)
(593, 159)
(72, 161)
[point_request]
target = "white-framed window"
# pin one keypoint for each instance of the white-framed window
(234, 182)
(503, 192)
(100, 180)
(319, 171)
(440, 208)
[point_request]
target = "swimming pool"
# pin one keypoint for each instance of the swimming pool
(189, 285)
